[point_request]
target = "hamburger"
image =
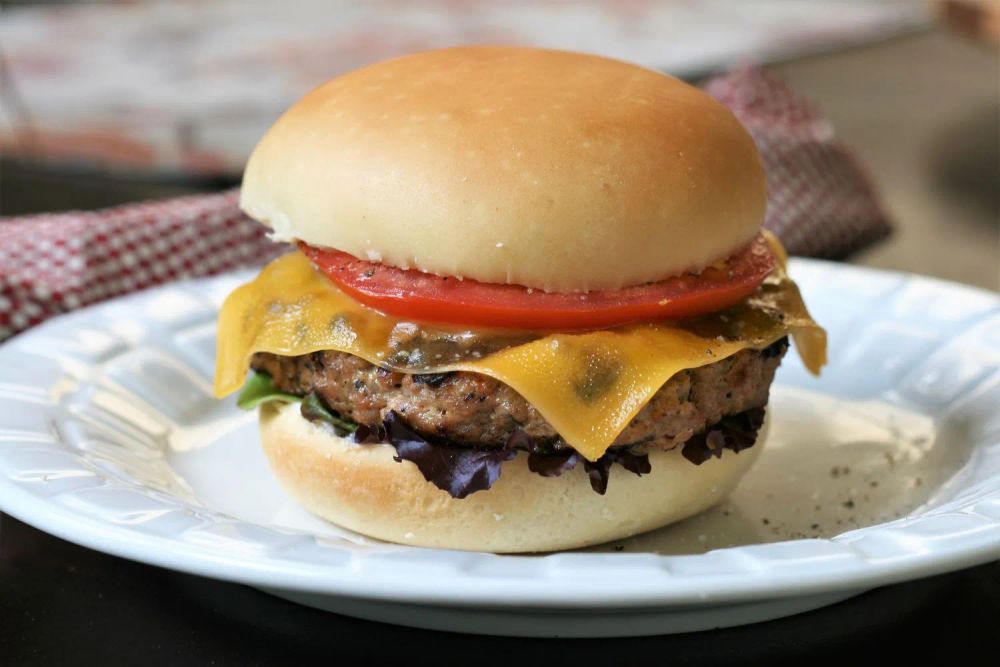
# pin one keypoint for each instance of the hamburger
(528, 304)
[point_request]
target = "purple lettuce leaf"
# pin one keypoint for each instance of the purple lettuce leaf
(461, 471)
(458, 470)
(552, 465)
(733, 432)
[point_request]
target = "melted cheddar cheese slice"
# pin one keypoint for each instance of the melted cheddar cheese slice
(588, 385)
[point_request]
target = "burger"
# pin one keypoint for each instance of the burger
(528, 304)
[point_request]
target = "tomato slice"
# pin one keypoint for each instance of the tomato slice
(422, 296)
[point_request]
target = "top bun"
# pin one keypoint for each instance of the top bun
(549, 169)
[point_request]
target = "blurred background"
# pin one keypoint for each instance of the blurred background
(106, 103)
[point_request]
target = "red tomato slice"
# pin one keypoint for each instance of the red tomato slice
(422, 296)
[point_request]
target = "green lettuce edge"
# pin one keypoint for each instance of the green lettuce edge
(260, 389)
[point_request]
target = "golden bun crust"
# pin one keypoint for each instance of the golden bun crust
(549, 169)
(362, 488)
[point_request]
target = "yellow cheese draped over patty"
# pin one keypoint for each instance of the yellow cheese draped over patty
(587, 385)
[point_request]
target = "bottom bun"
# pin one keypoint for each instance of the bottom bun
(361, 487)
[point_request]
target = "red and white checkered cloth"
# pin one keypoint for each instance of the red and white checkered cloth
(820, 201)
(821, 204)
(55, 262)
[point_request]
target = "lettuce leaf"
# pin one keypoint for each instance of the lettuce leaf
(464, 470)
(315, 410)
(457, 470)
(733, 432)
(461, 471)
(260, 389)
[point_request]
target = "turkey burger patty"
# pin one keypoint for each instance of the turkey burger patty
(473, 410)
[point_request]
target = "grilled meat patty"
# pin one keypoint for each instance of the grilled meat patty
(475, 410)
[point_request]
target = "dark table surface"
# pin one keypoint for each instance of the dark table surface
(64, 604)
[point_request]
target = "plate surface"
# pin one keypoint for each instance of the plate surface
(886, 469)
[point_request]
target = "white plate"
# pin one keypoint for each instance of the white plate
(886, 469)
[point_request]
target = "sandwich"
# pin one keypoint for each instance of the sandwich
(528, 304)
